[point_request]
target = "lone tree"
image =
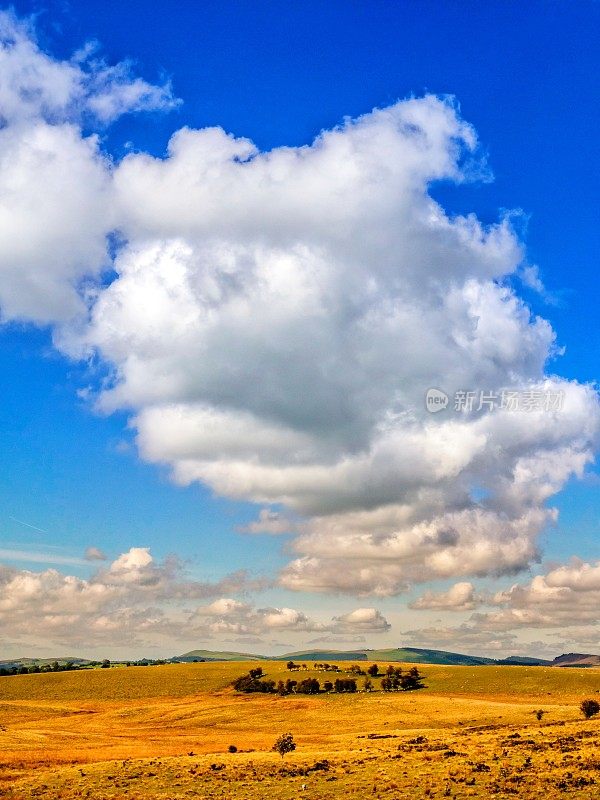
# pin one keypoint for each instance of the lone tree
(589, 708)
(373, 670)
(284, 744)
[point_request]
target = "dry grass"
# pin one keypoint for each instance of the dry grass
(164, 732)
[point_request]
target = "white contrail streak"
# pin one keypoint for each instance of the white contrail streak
(27, 525)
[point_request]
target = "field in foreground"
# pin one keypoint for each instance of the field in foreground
(163, 732)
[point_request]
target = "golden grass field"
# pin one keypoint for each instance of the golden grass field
(163, 732)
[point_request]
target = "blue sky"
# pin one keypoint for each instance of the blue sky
(278, 74)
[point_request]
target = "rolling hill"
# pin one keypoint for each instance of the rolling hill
(412, 655)
(577, 660)
(39, 662)
(218, 655)
(407, 655)
(524, 661)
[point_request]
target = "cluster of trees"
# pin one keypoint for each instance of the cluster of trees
(307, 686)
(67, 666)
(248, 683)
(37, 668)
(254, 682)
(344, 685)
(312, 686)
(326, 667)
(396, 680)
(294, 667)
(393, 680)
(356, 669)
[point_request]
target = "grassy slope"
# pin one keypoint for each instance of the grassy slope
(324, 655)
(412, 655)
(129, 732)
(220, 655)
(416, 655)
(183, 680)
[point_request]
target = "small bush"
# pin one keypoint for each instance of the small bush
(232, 748)
(589, 708)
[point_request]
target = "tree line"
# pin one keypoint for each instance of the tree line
(394, 679)
(69, 666)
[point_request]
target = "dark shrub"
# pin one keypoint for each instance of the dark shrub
(589, 708)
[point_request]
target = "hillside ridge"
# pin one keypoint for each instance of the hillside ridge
(403, 654)
(409, 655)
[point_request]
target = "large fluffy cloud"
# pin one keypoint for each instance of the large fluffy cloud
(275, 323)
(275, 319)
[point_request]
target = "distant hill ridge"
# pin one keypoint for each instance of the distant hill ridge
(33, 662)
(577, 660)
(407, 655)
(404, 654)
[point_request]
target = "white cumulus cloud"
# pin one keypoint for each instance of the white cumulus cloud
(275, 319)
(459, 597)
(229, 616)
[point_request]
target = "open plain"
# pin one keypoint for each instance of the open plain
(165, 732)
